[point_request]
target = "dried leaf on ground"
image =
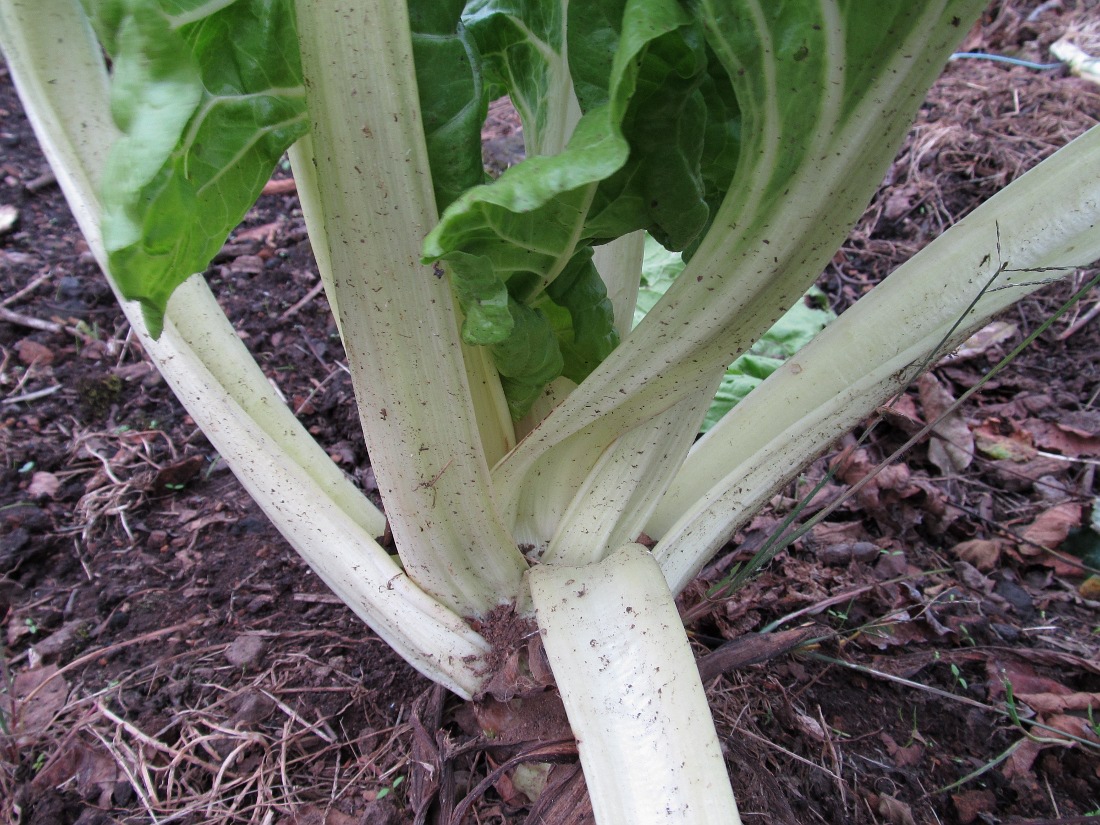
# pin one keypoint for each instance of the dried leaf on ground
(1048, 531)
(1068, 441)
(970, 804)
(983, 554)
(32, 353)
(992, 441)
(951, 447)
(982, 341)
(35, 698)
(1060, 702)
(91, 769)
(895, 812)
(1018, 764)
(44, 485)
(889, 484)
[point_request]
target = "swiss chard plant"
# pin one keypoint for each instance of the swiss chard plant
(524, 433)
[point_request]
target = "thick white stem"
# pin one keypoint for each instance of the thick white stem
(58, 69)
(1049, 218)
(372, 207)
(623, 489)
(619, 263)
(632, 692)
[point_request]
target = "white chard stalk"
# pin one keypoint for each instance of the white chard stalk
(632, 692)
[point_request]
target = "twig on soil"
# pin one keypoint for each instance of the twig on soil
(1071, 459)
(37, 184)
(283, 186)
(754, 648)
(1080, 323)
(29, 288)
(33, 396)
(285, 708)
(835, 777)
(125, 768)
(317, 387)
(314, 291)
(30, 322)
(847, 595)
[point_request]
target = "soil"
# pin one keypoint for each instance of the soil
(169, 658)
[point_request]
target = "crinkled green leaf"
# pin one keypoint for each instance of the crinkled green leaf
(526, 225)
(593, 37)
(528, 359)
(660, 188)
(483, 297)
(208, 97)
(682, 126)
(588, 334)
(453, 99)
(520, 43)
(531, 222)
(721, 143)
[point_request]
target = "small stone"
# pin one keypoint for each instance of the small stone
(1016, 596)
(972, 577)
(43, 485)
(380, 812)
(33, 353)
(1090, 588)
(970, 805)
(841, 554)
(60, 641)
(245, 651)
(9, 217)
(891, 565)
(259, 603)
(70, 287)
(248, 264)
(1050, 488)
(1005, 631)
(12, 544)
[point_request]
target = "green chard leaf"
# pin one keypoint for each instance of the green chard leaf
(529, 226)
(582, 316)
(659, 188)
(453, 98)
(483, 297)
(520, 43)
(208, 96)
(682, 126)
(528, 359)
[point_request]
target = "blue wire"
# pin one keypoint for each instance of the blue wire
(1014, 61)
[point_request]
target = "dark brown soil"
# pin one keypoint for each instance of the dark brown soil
(168, 658)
